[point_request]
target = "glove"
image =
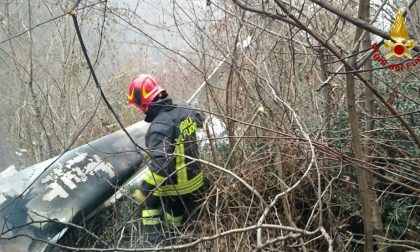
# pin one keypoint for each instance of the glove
(139, 196)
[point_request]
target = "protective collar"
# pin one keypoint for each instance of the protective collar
(158, 106)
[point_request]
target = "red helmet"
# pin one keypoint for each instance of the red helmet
(142, 91)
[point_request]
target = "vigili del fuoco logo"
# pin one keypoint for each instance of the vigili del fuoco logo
(399, 46)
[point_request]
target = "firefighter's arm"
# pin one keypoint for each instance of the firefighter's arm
(159, 146)
(159, 143)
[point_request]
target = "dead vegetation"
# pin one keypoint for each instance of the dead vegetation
(283, 171)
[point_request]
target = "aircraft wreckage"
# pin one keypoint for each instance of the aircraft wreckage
(35, 203)
(38, 202)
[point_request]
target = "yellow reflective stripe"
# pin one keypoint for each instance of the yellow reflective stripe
(177, 158)
(197, 179)
(151, 212)
(173, 191)
(181, 169)
(185, 188)
(153, 178)
(151, 221)
(174, 221)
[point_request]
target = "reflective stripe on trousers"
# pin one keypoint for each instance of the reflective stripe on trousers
(175, 189)
(174, 221)
(151, 217)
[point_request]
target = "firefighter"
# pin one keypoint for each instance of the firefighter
(173, 182)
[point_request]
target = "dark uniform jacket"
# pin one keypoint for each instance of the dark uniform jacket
(170, 138)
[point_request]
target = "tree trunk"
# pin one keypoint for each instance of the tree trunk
(369, 133)
(370, 207)
(230, 96)
(326, 91)
(362, 174)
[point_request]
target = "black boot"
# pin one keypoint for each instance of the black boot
(152, 235)
(152, 226)
(171, 224)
